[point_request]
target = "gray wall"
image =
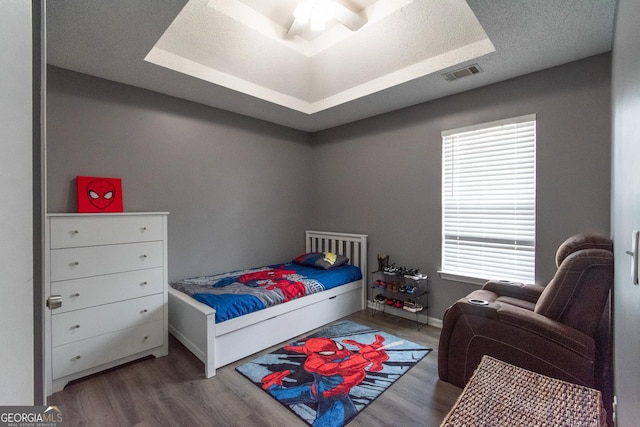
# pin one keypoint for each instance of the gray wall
(16, 193)
(237, 189)
(626, 208)
(233, 184)
(381, 176)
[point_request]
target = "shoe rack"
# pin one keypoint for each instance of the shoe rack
(403, 295)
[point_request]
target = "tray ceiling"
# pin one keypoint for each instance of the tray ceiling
(236, 54)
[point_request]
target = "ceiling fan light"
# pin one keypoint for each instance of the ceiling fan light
(316, 11)
(318, 23)
(303, 11)
(325, 8)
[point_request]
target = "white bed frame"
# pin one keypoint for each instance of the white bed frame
(193, 323)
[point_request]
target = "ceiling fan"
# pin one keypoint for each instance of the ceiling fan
(316, 13)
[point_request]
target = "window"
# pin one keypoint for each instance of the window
(488, 201)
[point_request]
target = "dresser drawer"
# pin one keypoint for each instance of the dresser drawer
(80, 355)
(75, 231)
(97, 290)
(88, 261)
(81, 324)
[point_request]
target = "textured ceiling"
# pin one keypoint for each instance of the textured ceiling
(229, 44)
(235, 54)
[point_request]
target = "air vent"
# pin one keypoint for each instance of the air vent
(463, 72)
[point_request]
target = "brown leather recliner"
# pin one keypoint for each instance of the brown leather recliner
(552, 330)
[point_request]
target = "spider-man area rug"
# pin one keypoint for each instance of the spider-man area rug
(330, 376)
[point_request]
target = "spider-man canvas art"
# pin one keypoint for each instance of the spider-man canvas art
(99, 194)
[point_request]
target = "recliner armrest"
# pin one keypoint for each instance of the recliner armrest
(527, 292)
(514, 335)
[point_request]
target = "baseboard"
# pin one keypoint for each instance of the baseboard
(431, 321)
(435, 322)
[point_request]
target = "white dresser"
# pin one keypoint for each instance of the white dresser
(106, 292)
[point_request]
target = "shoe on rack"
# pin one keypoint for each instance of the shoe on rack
(413, 307)
(391, 270)
(381, 283)
(416, 275)
(391, 301)
(380, 298)
(393, 286)
(398, 304)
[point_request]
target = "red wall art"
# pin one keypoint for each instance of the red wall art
(99, 194)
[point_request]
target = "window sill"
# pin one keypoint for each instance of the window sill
(445, 275)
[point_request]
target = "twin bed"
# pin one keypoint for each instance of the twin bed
(271, 304)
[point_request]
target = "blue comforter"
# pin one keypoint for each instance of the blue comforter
(240, 292)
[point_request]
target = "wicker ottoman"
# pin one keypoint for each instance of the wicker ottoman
(500, 394)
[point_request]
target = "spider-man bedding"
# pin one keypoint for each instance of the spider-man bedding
(241, 292)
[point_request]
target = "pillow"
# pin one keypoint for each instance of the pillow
(322, 260)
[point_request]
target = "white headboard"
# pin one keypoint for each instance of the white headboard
(353, 246)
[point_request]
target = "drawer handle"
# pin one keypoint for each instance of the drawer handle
(146, 337)
(144, 311)
(76, 358)
(75, 327)
(75, 295)
(75, 263)
(144, 228)
(75, 232)
(144, 255)
(144, 283)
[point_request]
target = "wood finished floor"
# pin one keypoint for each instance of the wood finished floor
(172, 391)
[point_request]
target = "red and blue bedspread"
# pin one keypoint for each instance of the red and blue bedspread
(241, 292)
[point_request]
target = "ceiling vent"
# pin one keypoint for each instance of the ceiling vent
(463, 72)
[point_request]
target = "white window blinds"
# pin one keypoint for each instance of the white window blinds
(488, 200)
